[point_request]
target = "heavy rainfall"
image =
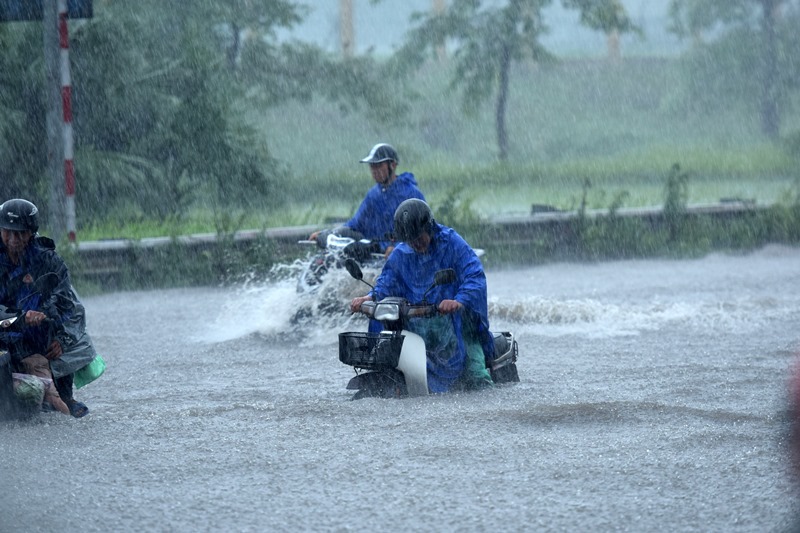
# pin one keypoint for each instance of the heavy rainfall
(626, 170)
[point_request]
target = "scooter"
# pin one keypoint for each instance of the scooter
(12, 407)
(393, 363)
(335, 250)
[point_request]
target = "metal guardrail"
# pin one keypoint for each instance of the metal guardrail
(274, 234)
(714, 209)
(290, 235)
(105, 259)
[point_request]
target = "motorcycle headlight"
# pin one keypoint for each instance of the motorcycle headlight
(387, 312)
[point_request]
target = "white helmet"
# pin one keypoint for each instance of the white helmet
(381, 152)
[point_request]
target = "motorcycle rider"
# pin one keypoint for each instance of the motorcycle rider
(458, 342)
(373, 219)
(55, 328)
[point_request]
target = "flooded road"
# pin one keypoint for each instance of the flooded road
(651, 399)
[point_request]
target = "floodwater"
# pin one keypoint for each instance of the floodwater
(652, 399)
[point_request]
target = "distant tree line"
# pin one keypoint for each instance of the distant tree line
(162, 87)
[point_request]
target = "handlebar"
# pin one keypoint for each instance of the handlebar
(405, 309)
(422, 310)
(17, 321)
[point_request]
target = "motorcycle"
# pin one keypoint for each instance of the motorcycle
(336, 248)
(393, 362)
(12, 405)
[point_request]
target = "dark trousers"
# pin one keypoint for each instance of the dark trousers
(64, 387)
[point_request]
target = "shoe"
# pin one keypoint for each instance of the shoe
(77, 409)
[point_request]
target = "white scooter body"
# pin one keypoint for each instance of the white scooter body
(413, 363)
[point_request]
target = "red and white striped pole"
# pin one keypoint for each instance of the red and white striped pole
(66, 106)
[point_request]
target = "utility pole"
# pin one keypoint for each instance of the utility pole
(346, 27)
(55, 140)
(441, 49)
(53, 15)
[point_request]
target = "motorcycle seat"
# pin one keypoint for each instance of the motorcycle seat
(501, 343)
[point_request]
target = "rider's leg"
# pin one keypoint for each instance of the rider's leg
(476, 375)
(38, 365)
(64, 386)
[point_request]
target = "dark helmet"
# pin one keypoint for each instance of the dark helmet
(19, 215)
(411, 219)
(381, 152)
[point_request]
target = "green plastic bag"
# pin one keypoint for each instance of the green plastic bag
(90, 372)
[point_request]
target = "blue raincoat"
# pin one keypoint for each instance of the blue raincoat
(65, 311)
(408, 274)
(375, 216)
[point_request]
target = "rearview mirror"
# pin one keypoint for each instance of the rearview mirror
(353, 269)
(441, 277)
(46, 283)
(444, 277)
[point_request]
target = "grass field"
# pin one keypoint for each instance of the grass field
(619, 126)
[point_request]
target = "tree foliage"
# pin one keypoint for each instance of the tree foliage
(768, 26)
(22, 114)
(603, 15)
(158, 85)
(690, 18)
(488, 39)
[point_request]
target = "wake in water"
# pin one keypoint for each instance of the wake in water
(596, 319)
(277, 307)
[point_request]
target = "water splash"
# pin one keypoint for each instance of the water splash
(593, 318)
(282, 304)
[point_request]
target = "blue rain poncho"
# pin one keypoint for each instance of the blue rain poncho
(408, 274)
(65, 311)
(375, 216)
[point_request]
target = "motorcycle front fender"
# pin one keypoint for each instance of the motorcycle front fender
(413, 363)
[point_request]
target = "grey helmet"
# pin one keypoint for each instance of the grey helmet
(19, 215)
(381, 152)
(411, 219)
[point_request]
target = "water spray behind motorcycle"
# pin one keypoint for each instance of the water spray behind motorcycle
(395, 360)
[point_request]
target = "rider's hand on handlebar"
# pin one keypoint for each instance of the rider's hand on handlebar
(449, 306)
(355, 305)
(34, 318)
(54, 351)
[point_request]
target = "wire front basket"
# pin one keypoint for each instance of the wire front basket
(370, 351)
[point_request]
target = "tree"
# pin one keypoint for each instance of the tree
(608, 16)
(693, 17)
(489, 39)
